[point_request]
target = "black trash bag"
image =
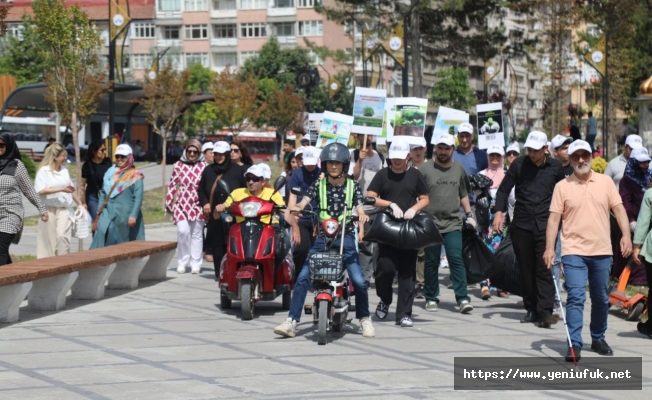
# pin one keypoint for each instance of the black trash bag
(483, 209)
(508, 276)
(411, 234)
(478, 258)
(479, 181)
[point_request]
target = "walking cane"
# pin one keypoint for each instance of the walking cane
(563, 315)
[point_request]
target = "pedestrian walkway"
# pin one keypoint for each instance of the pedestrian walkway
(170, 340)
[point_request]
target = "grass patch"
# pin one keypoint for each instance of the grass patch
(152, 208)
(15, 258)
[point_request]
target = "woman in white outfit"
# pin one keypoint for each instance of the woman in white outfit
(183, 203)
(58, 194)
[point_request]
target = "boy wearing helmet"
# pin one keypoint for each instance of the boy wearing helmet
(340, 191)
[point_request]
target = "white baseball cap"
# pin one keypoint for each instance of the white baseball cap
(298, 151)
(536, 140)
(267, 171)
(446, 139)
(495, 149)
(513, 147)
(578, 145)
(305, 137)
(634, 141)
(560, 140)
(256, 170)
(399, 149)
(207, 146)
(123, 150)
(640, 154)
(465, 127)
(420, 142)
(221, 147)
(310, 155)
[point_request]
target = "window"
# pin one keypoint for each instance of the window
(252, 4)
(196, 58)
(196, 32)
(171, 59)
(224, 31)
(284, 29)
(245, 55)
(15, 30)
(169, 5)
(224, 5)
(141, 61)
(283, 3)
(171, 32)
(533, 84)
(314, 58)
(144, 30)
(311, 28)
(307, 3)
(253, 30)
(224, 59)
(196, 5)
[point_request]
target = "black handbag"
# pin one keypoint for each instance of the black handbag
(408, 234)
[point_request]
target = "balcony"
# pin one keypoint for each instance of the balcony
(215, 14)
(287, 39)
(533, 113)
(168, 42)
(168, 14)
(224, 42)
(281, 11)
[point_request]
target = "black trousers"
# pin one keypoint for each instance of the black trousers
(301, 251)
(648, 273)
(5, 242)
(391, 260)
(216, 236)
(536, 279)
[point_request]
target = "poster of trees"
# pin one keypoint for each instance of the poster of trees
(410, 117)
(368, 110)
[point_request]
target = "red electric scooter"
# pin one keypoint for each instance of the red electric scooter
(258, 262)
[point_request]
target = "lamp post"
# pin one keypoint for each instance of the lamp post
(406, 36)
(579, 95)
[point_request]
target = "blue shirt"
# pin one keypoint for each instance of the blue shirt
(473, 162)
(302, 178)
(592, 126)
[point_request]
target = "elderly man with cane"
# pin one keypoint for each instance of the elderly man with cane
(583, 201)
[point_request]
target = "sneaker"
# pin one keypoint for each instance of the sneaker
(432, 306)
(419, 293)
(465, 307)
(382, 310)
(405, 322)
(443, 262)
(367, 328)
(196, 270)
(485, 293)
(181, 270)
(287, 328)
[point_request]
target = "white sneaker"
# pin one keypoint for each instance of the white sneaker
(196, 270)
(287, 328)
(181, 270)
(432, 306)
(367, 328)
(465, 307)
(443, 262)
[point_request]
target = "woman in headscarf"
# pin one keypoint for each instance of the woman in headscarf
(58, 194)
(119, 218)
(635, 182)
(495, 172)
(183, 203)
(210, 196)
(14, 181)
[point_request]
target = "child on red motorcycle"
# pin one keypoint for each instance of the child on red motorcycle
(339, 190)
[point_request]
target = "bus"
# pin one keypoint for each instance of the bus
(33, 132)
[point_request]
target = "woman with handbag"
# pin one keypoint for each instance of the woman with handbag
(183, 203)
(210, 196)
(58, 194)
(14, 181)
(93, 170)
(119, 218)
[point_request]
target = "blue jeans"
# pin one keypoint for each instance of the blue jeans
(93, 203)
(355, 275)
(577, 270)
(556, 270)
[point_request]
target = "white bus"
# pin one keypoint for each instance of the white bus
(32, 132)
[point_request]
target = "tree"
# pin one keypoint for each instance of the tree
(4, 9)
(201, 118)
(74, 82)
(284, 110)
(21, 57)
(453, 89)
(276, 63)
(368, 112)
(236, 100)
(166, 99)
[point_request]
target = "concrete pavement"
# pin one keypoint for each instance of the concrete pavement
(170, 340)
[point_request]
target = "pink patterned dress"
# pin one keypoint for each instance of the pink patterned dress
(183, 183)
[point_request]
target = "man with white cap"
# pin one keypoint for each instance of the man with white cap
(616, 167)
(447, 182)
(403, 190)
(207, 150)
(534, 177)
(305, 140)
(559, 149)
(582, 202)
(472, 158)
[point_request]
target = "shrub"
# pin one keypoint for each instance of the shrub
(29, 164)
(599, 164)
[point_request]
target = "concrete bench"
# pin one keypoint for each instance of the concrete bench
(46, 281)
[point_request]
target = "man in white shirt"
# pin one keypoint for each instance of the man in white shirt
(616, 167)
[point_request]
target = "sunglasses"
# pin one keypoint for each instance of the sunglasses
(512, 154)
(119, 157)
(577, 157)
(235, 150)
(254, 179)
(192, 152)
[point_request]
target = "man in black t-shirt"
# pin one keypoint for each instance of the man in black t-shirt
(402, 189)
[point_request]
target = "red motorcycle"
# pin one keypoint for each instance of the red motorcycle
(258, 263)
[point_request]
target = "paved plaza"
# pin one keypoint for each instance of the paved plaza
(170, 340)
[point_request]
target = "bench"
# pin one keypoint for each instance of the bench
(46, 281)
(34, 155)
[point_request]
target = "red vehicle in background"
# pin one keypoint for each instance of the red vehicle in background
(258, 263)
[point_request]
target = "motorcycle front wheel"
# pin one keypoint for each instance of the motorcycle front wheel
(247, 305)
(323, 321)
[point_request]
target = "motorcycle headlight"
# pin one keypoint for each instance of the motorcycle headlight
(250, 209)
(228, 219)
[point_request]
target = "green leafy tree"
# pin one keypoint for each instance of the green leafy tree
(201, 118)
(236, 100)
(284, 110)
(22, 58)
(368, 112)
(452, 90)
